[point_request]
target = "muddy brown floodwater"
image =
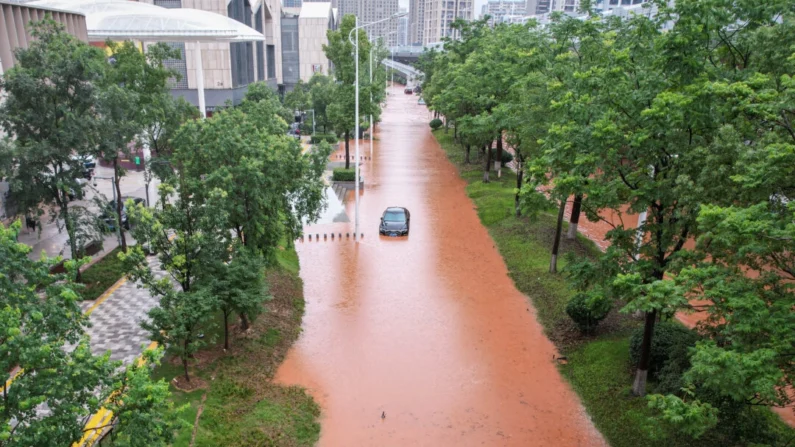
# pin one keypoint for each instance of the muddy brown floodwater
(427, 329)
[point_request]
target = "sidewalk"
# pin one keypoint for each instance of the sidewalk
(116, 318)
(54, 242)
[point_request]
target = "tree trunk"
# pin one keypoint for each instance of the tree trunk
(519, 177)
(574, 219)
(553, 263)
(185, 360)
(455, 131)
(244, 322)
(70, 230)
(639, 386)
(226, 331)
(468, 148)
(488, 167)
(499, 155)
(119, 204)
(347, 150)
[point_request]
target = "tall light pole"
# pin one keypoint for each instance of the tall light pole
(355, 43)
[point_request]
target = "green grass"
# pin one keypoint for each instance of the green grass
(99, 277)
(599, 367)
(243, 407)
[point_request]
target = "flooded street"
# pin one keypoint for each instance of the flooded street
(427, 329)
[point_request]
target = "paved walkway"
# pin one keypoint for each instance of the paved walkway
(116, 318)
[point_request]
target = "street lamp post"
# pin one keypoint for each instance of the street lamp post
(355, 43)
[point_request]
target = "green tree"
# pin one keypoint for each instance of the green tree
(340, 51)
(188, 237)
(60, 383)
(298, 99)
(322, 92)
(269, 187)
(134, 87)
(239, 286)
(648, 146)
(565, 159)
(50, 112)
(746, 355)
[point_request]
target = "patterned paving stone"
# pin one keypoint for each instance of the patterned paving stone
(116, 323)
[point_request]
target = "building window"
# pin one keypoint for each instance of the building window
(241, 53)
(177, 65)
(271, 61)
(260, 46)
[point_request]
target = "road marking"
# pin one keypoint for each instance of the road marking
(107, 294)
(97, 424)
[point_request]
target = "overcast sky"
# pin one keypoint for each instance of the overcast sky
(478, 5)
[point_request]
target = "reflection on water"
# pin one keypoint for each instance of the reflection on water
(335, 207)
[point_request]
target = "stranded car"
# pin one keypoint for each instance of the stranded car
(408, 91)
(395, 222)
(108, 215)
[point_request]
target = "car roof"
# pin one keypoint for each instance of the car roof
(396, 208)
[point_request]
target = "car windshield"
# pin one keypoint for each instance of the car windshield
(394, 216)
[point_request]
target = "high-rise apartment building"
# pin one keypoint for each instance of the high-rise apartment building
(539, 6)
(403, 28)
(292, 3)
(369, 11)
(440, 14)
(499, 10)
(566, 5)
(333, 2)
(416, 22)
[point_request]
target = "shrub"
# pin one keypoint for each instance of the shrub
(436, 123)
(344, 175)
(319, 138)
(587, 311)
(668, 345)
(507, 157)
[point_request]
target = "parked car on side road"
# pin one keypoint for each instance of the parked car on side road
(108, 215)
(408, 91)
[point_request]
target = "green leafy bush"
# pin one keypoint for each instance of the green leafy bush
(436, 123)
(668, 345)
(587, 311)
(507, 157)
(344, 175)
(319, 138)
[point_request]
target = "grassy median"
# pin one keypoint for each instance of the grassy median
(240, 406)
(599, 367)
(102, 275)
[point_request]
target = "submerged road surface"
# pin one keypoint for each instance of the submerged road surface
(428, 330)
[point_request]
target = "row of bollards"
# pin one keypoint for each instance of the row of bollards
(326, 236)
(352, 157)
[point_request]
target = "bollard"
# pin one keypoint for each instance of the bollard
(310, 237)
(325, 236)
(317, 236)
(340, 235)
(347, 235)
(332, 236)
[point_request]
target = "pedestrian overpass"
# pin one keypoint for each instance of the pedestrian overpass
(410, 53)
(412, 74)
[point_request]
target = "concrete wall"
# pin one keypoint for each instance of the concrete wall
(312, 33)
(15, 27)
